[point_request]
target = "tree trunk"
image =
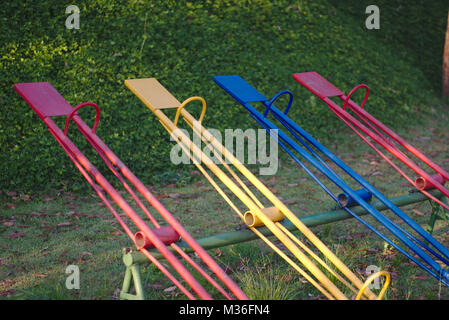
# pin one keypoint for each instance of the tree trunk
(446, 62)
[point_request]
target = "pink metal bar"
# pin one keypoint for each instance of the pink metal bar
(47, 102)
(320, 87)
(400, 140)
(156, 224)
(118, 199)
(162, 210)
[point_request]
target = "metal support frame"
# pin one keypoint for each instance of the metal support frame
(134, 259)
(46, 101)
(132, 274)
(155, 96)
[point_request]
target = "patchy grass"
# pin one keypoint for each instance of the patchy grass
(41, 234)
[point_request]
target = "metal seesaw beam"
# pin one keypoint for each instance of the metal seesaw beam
(245, 94)
(47, 103)
(314, 220)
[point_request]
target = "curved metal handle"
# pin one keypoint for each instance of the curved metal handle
(178, 111)
(371, 279)
(353, 90)
(277, 95)
(69, 117)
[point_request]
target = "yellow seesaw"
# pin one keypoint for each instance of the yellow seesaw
(157, 98)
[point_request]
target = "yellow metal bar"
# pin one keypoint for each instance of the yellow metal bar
(233, 174)
(275, 215)
(318, 259)
(265, 239)
(265, 220)
(258, 233)
(277, 203)
(294, 265)
(138, 87)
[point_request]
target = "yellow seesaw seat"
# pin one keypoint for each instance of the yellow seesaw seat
(254, 214)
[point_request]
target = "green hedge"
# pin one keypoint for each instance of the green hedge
(184, 44)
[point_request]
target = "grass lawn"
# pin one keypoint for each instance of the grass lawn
(41, 234)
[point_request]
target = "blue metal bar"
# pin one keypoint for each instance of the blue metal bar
(245, 93)
(410, 236)
(363, 183)
(370, 227)
(346, 189)
(316, 155)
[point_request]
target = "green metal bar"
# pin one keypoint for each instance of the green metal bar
(229, 238)
(127, 281)
(132, 273)
(438, 213)
(445, 200)
(433, 217)
(137, 282)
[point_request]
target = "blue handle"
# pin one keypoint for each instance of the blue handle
(277, 95)
(345, 200)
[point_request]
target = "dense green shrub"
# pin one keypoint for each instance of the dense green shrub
(184, 44)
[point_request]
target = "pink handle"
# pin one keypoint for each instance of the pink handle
(69, 117)
(353, 90)
(166, 234)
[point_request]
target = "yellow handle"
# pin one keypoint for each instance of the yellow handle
(252, 220)
(371, 279)
(178, 111)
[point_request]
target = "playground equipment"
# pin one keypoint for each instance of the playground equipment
(272, 220)
(134, 259)
(323, 89)
(47, 103)
(307, 147)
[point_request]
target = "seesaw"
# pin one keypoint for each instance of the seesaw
(380, 134)
(250, 208)
(48, 103)
(304, 145)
